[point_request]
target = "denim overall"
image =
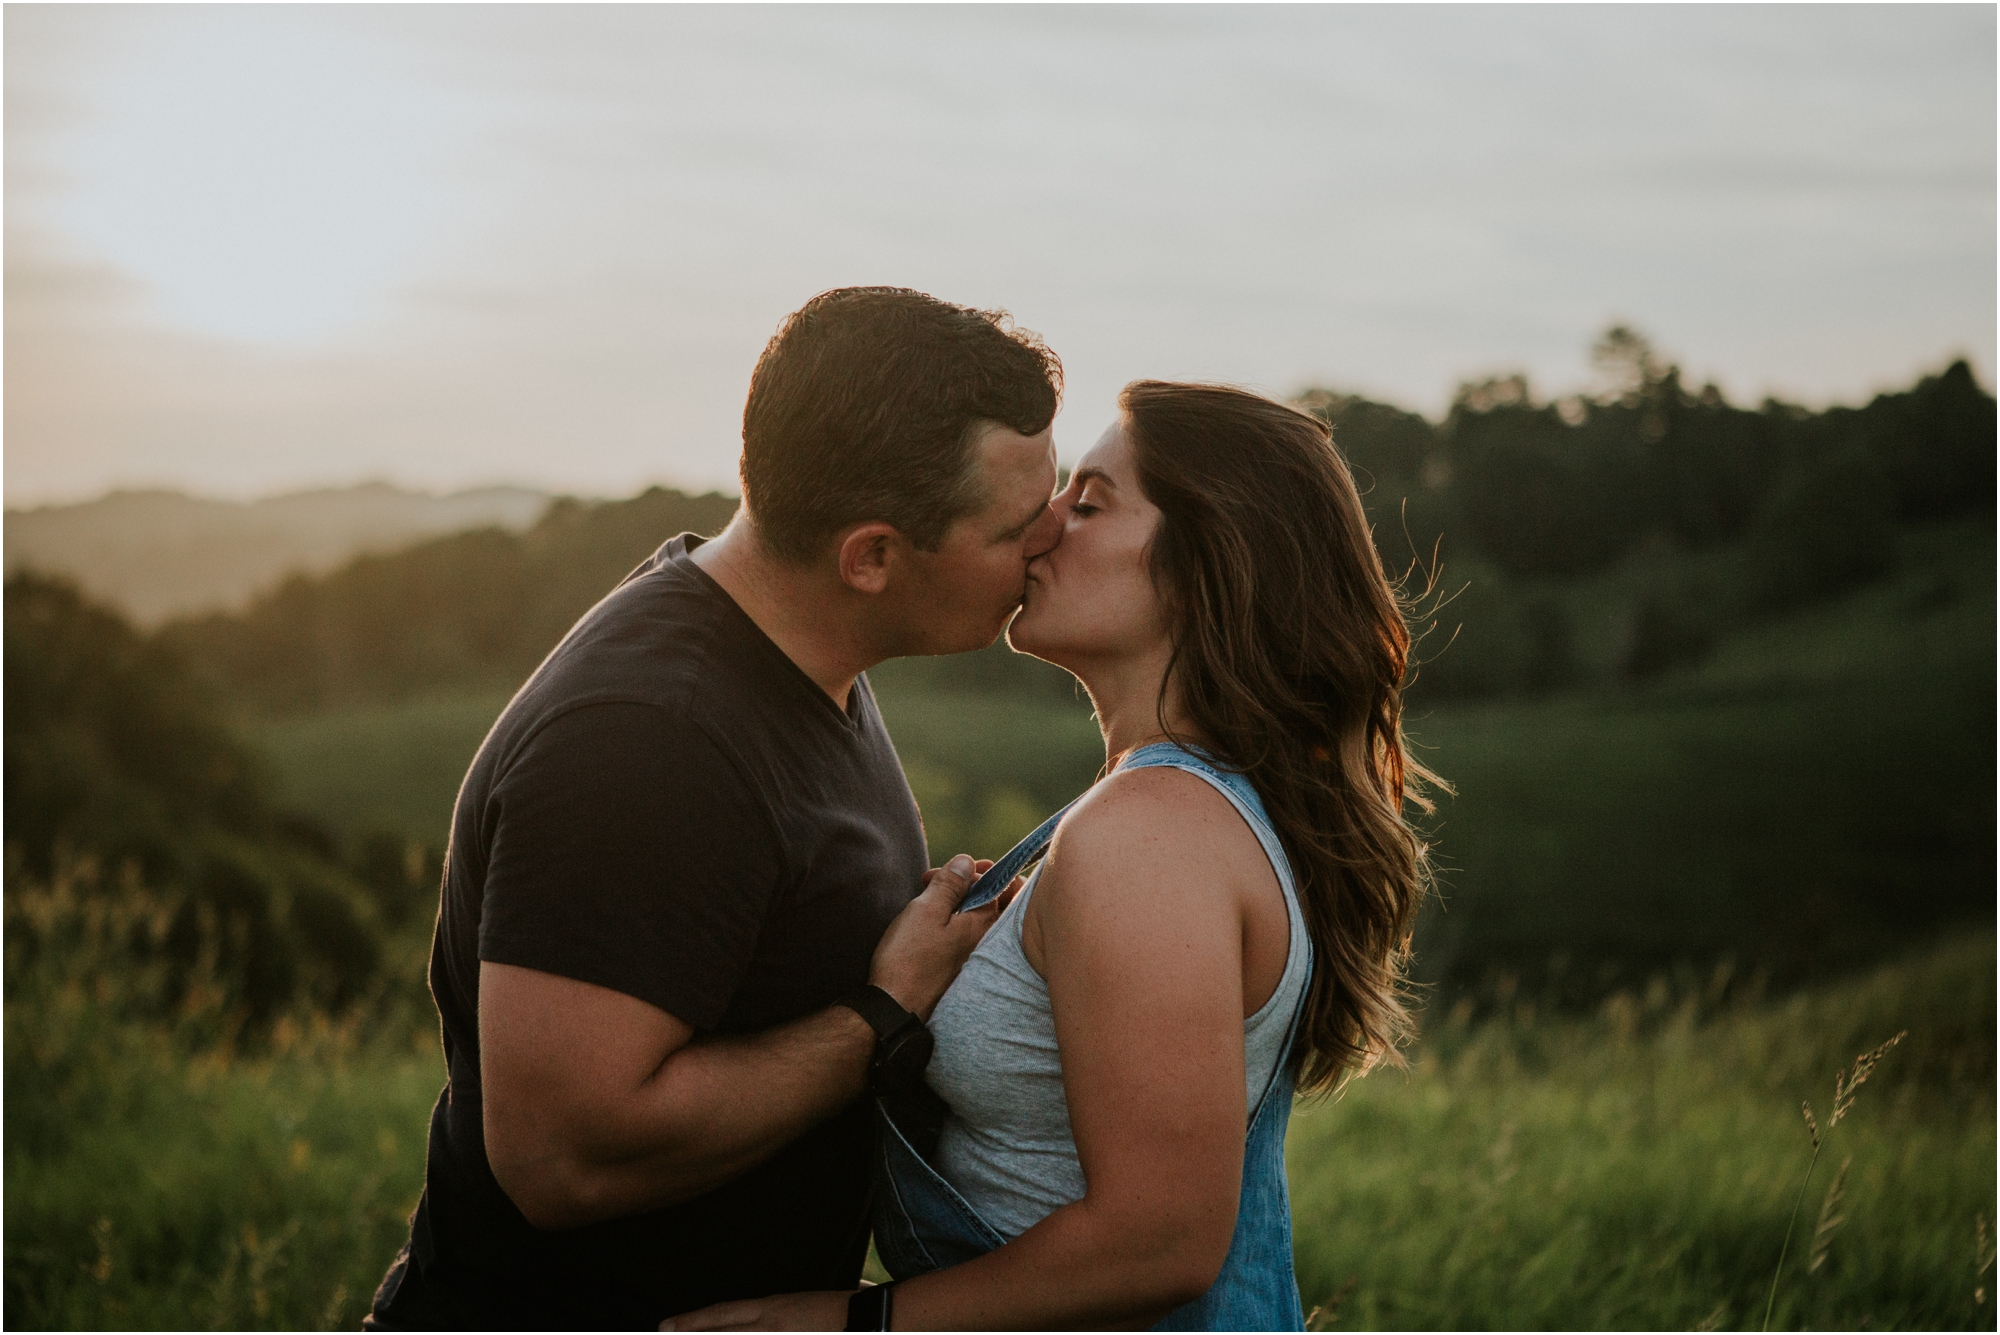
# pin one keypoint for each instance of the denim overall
(922, 1223)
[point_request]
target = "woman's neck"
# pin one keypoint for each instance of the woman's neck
(1125, 693)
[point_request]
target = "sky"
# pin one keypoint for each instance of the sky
(252, 248)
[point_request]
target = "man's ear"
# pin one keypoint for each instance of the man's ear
(866, 552)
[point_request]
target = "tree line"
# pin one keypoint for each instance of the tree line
(1699, 514)
(1515, 523)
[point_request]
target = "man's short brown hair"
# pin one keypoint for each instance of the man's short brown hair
(865, 406)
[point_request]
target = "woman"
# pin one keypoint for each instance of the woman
(1221, 919)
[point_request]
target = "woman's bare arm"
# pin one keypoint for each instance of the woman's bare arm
(1138, 925)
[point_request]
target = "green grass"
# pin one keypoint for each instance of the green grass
(1630, 1170)
(1634, 1170)
(218, 1194)
(985, 768)
(378, 766)
(163, 1172)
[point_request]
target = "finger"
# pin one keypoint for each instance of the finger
(972, 924)
(982, 866)
(953, 880)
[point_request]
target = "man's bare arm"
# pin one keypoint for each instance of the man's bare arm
(597, 1104)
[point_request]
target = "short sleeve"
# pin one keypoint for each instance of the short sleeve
(626, 851)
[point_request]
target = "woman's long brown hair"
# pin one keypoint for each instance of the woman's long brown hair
(1289, 651)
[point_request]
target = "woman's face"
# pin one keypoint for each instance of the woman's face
(1090, 598)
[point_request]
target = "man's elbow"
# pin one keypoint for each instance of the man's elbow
(550, 1176)
(551, 1190)
(557, 1186)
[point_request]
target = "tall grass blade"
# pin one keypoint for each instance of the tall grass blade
(1830, 1218)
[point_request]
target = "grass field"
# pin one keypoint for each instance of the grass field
(981, 765)
(1634, 1170)
(1630, 1169)
(159, 1176)
(1817, 791)
(379, 766)
(1798, 826)
(1815, 794)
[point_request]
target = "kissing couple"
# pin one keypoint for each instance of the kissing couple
(710, 1023)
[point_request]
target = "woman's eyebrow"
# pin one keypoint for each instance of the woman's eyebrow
(1086, 475)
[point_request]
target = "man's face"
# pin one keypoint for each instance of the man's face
(963, 594)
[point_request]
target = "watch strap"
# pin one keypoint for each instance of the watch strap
(868, 1307)
(885, 1015)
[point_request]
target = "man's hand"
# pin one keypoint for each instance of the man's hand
(928, 943)
(822, 1310)
(598, 1104)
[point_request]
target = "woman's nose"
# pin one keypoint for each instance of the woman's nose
(1043, 535)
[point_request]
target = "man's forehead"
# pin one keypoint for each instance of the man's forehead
(1020, 476)
(1014, 462)
(1006, 448)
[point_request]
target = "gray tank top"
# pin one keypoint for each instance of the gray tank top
(1007, 1146)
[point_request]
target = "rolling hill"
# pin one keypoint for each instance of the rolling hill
(161, 554)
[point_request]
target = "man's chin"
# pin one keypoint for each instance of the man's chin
(1019, 638)
(969, 642)
(998, 632)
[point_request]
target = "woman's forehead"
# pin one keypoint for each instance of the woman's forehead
(1111, 454)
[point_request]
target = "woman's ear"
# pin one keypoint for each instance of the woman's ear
(865, 553)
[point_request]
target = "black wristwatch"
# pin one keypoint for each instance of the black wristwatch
(902, 1043)
(868, 1308)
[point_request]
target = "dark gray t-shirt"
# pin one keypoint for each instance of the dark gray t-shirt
(670, 808)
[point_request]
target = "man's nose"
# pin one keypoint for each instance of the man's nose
(1043, 535)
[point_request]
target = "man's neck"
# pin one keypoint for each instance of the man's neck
(805, 610)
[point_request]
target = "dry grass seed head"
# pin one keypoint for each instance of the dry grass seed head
(1844, 1084)
(1811, 1125)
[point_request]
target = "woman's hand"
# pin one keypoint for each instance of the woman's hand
(825, 1310)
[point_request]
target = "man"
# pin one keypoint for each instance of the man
(674, 856)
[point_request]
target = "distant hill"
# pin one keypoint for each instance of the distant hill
(475, 607)
(162, 554)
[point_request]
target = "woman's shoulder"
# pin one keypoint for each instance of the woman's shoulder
(1152, 853)
(1154, 818)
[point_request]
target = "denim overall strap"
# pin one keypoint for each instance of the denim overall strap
(1002, 873)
